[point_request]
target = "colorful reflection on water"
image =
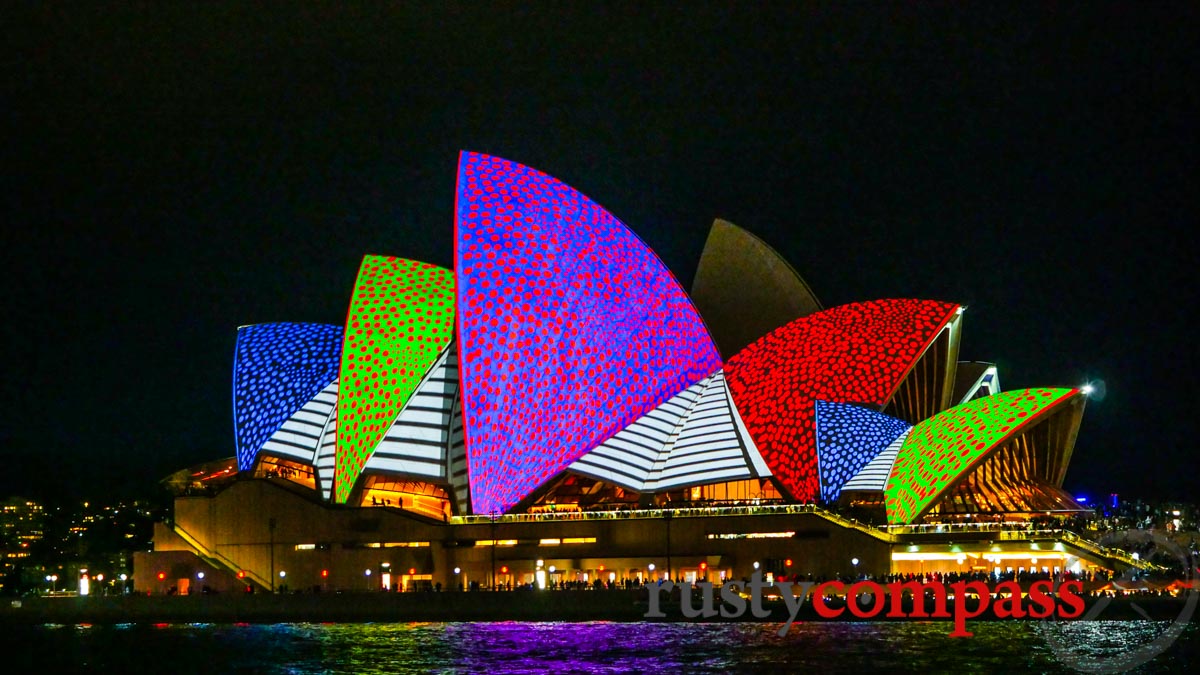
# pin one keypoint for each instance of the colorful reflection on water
(597, 647)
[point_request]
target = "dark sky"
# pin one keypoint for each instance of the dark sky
(172, 173)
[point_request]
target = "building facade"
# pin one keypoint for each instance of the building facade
(558, 404)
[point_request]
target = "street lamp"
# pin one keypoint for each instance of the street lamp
(667, 517)
(271, 532)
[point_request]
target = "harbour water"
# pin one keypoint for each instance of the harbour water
(498, 648)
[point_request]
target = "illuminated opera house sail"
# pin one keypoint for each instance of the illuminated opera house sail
(560, 368)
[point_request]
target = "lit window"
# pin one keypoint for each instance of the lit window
(396, 544)
(753, 535)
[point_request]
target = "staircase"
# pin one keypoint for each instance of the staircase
(219, 561)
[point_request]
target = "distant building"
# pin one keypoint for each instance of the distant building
(22, 526)
(557, 410)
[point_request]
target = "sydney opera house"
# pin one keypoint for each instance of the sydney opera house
(558, 409)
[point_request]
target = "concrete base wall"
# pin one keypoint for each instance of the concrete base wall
(265, 528)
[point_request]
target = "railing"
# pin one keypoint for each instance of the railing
(944, 528)
(216, 559)
(855, 524)
(687, 512)
(1007, 531)
(1114, 553)
(1023, 532)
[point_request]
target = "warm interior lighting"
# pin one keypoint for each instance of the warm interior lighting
(753, 535)
(901, 555)
(426, 499)
(396, 544)
(277, 467)
(735, 491)
(496, 542)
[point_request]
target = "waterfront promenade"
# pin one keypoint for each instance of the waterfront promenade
(523, 605)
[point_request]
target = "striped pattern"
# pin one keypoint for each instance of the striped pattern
(695, 438)
(300, 434)
(457, 459)
(873, 477)
(848, 438)
(326, 454)
(416, 444)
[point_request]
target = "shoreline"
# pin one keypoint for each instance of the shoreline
(482, 606)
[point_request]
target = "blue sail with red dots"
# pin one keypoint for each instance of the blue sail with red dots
(570, 328)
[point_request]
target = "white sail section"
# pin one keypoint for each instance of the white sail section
(416, 444)
(457, 456)
(325, 458)
(987, 384)
(300, 435)
(695, 438)
(873, 477)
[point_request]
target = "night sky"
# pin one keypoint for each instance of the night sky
(172, 173)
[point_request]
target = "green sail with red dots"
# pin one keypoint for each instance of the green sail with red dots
(401, 318)
(951, 443)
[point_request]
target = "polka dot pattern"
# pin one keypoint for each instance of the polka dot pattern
(401, 317)
(570, 328)
(856, 353)
(278, 367)
(848, 438)
(944, 446)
